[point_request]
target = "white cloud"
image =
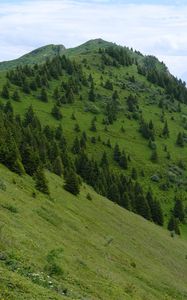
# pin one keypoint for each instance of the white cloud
(152, 29)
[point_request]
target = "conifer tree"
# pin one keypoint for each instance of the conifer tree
(117, 153)
(57, 166)
(71, 182)
(134, 174)
(76, 146)
(56, 112)
(93, 126)
(91, 95)
(154, 156)
(41, 181)
(16, 96)
(43, 95)
(179, 210)
(108, 85)
(165, 131)
(26, 88)
(173, 225)
(5, 92)
(104, 160)
(115, 95)
(142, 206)
(180, 140)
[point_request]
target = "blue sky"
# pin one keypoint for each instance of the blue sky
(153, 27)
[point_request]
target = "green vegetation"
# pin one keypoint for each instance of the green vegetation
(106, 116)
(66, 247)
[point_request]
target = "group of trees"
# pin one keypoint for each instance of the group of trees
(26, 147)
(116, 56)
(132, 103)
(120, 157)
(38, 77)
(173, 86)
(117, 187)
(177, 216)
(147, 129)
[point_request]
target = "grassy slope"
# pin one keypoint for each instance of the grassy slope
(105, 251)
(36, 56)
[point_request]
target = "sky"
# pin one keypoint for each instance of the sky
(153, 27)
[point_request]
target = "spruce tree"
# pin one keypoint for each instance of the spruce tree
(91, 95)
(180, 140)
(142, 206)
(43, 95)
(16, 96)
(117, 153)
(76, 146)
(165, 131)
(41, 181)
(93, 126)
(134, 174)
(104, 160)
(155, 209)
(179, 210)
(123, 163)
(77, 128)
(72, 182)
(56, 112)
(57, 166)
(173, 225)
(154, 156)
(5, 92)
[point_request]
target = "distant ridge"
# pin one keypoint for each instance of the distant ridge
(38, 55)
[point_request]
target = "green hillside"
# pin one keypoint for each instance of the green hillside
(67, 247)
(111, 123)
(36, 56)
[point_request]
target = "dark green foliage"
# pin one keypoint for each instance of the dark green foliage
(58, 166)
(41, 181)
(154, 156)
(43, 95)
(93, 126)
(76, 146)
(165, 131)
(155, 209)
(91, 95)
(117, 153)
(72, 184)
(26, 87)
(147, 130)
(104, 160)
(5, 92)
(108, 85)
(83, 140)
(180, 140)
(178, 211)
(56, 112)
(141, 203)
(132, 103)
(119, 55)
(173, 86)
(134, 174)
(77, 128)
(123, 163)
(16, 96)
(173, 225)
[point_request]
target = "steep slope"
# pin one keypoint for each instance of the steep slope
(66, 247)
(36, 56)
(157, 163)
